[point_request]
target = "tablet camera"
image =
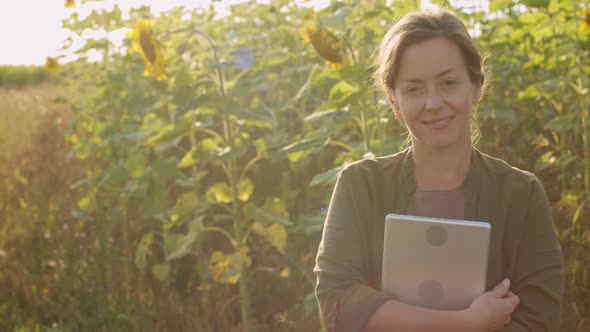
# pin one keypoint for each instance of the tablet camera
(436, 235)
(430, 292)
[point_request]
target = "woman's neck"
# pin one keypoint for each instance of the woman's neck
(441, 169)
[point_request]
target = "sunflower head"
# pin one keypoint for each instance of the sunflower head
(51, 65)
(585, 14)
(326, 44)
(70, 3)
(150, 49)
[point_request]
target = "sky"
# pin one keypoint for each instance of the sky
(31, 30)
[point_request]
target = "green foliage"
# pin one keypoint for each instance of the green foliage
(537, 117)
(201, 197)
(21, 76)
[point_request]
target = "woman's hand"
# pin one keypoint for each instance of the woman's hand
(491, 310)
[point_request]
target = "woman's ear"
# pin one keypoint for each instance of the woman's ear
(394, 105)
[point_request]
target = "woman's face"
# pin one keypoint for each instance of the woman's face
(434, 94)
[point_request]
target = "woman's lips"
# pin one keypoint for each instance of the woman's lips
(439, 122)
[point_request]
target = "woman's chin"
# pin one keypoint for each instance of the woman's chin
(442, 143)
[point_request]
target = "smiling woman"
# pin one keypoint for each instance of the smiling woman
(435, 95)
(431, 70)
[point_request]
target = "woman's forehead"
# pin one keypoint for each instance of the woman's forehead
(432, 58)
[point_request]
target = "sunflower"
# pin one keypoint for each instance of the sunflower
(51, 65)
(150, 49)
(585, 26)
(327, 45)
(70, 3)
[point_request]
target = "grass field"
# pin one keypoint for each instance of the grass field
(22, 76)
(22, 110)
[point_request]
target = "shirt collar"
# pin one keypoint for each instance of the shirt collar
(470, 185)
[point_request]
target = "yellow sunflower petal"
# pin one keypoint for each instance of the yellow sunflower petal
(583, 12)
(51, 65)
(327, 45)
(285, 273)
(305, 32)
(145, 43)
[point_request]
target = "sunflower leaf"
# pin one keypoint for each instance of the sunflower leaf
(219, 193)
(228, 268)
(161, 271)
(337, 20)
(342, 93)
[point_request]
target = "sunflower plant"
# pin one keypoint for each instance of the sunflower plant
(327, 44)
(584, 14)
(51, 65)
(149, 47)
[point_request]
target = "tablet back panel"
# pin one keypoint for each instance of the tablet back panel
(435, 263)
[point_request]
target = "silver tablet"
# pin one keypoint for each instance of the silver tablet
(435, 263)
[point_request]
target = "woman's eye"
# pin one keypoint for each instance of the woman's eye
(412, 89)
(449, 82)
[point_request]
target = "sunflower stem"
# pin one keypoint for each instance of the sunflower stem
(199, 249)
(349, 46)
(584, 113)
(233, 175)
(213, 49)
(364, 126)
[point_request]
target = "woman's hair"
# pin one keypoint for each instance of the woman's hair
(417, 27)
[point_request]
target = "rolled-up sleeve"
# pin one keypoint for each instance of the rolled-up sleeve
(345, 299)
(538, 277)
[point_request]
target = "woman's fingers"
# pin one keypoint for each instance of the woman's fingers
(502, 288)
(514, 299)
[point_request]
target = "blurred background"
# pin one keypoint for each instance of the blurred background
(166, 165)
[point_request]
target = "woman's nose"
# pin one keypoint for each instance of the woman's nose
(434, 101)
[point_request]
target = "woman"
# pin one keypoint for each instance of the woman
(431, 71)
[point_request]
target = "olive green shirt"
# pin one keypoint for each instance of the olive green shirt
(523, 245)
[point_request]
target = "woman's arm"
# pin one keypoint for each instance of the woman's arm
(345, 298)
(538, 275)
(397, 316)
(489, 312)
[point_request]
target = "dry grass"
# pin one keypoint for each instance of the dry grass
(31, 128)
(35, 175)
(22, 111)
(32, 150)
